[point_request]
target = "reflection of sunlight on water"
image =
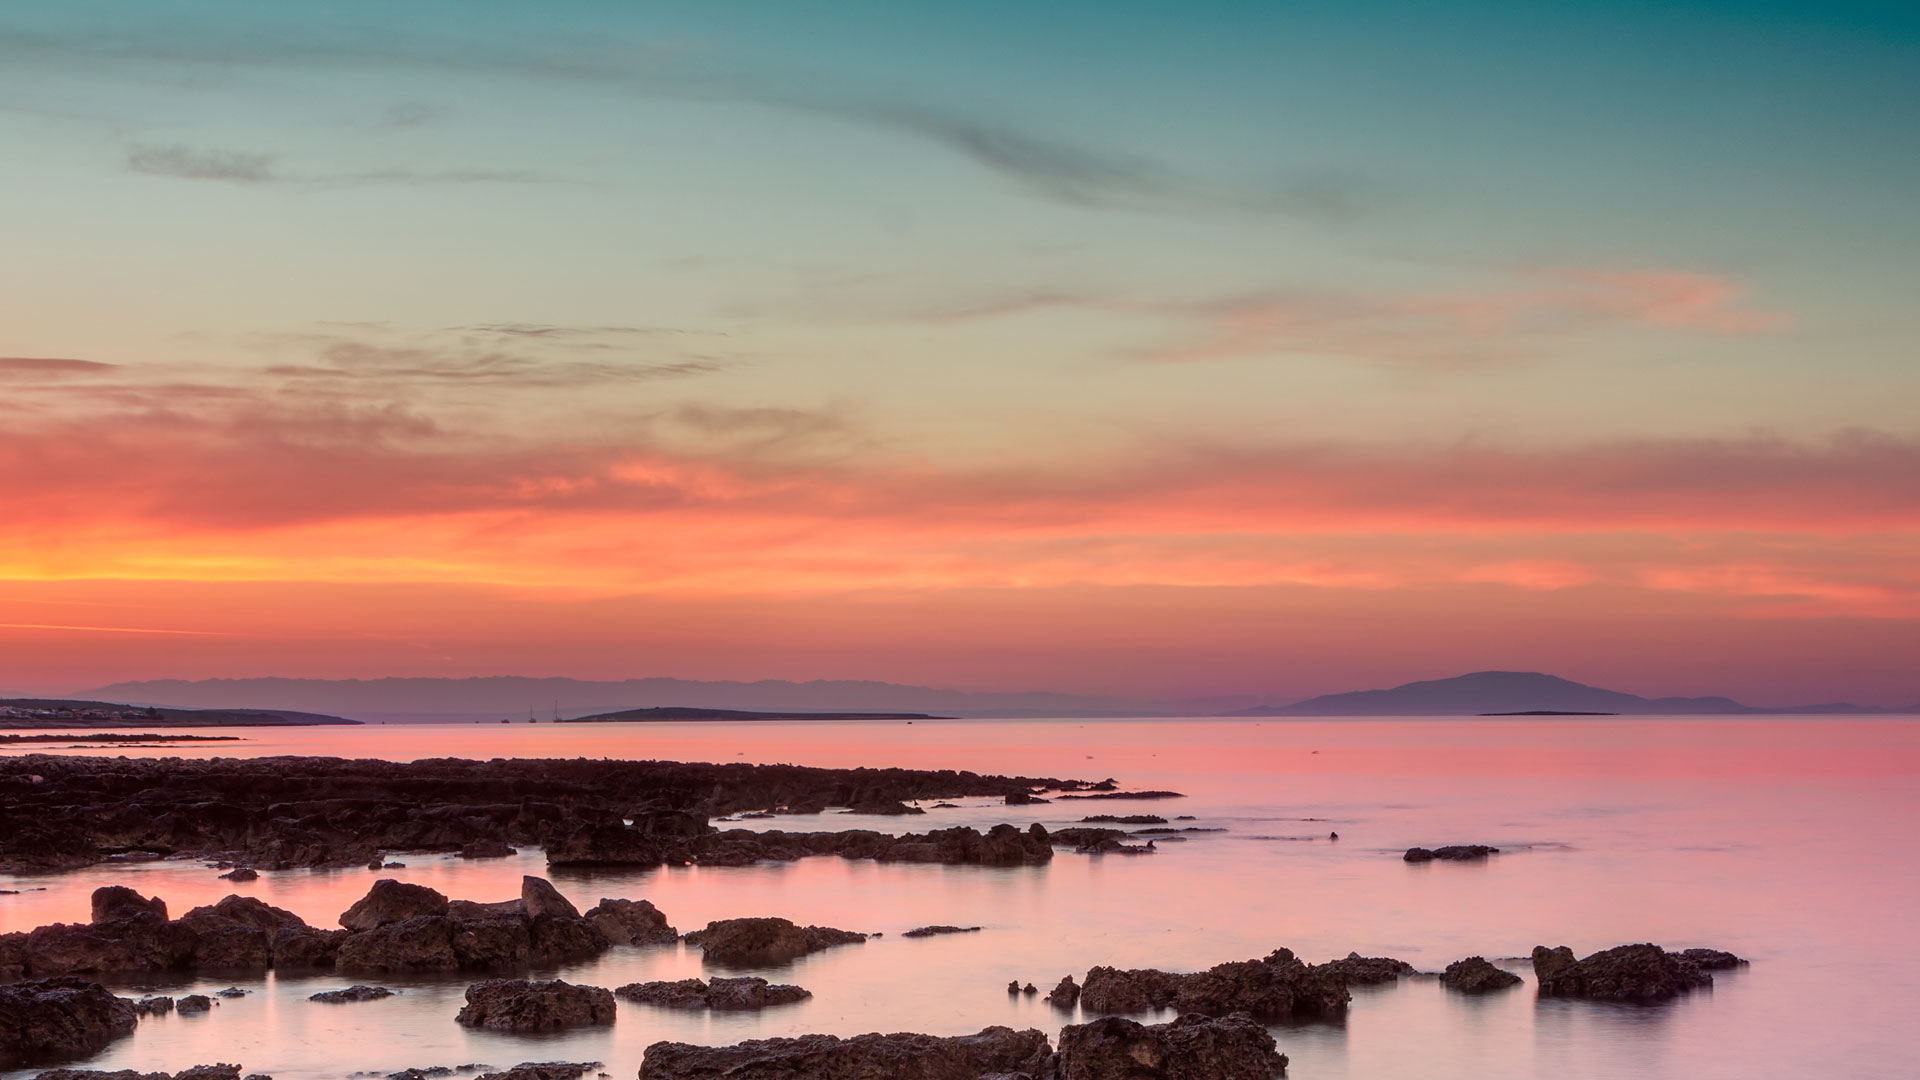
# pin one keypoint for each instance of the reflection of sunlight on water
(1613, 832)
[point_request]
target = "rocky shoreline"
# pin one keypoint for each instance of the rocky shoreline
(61, 812)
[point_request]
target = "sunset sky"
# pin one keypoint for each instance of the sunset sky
(1151, 349)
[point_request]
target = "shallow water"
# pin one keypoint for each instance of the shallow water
(1789, 841)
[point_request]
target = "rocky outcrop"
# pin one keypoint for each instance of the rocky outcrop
(392, 901)
(198, 1072)
(631, 922)
(1638, 974)
(112, 902)
(538, 897)
(1357, 970)
(1193, 1047)
(743, 993)
(765, 942)
(522, 1006)
(53, 1020)
(1451, 853)
(996, 1051)
(543, 1070)
(1475, 975)
(357, 992)
(195, 1003)
(937, 931)
(59, 811)
(241, 874)
(1276, 987)
(1065, 994)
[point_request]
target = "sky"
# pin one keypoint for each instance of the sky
(1264, 349)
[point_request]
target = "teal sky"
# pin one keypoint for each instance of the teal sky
(1115, 271)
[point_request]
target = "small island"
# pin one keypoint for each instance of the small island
(61, 713)
(663, 714)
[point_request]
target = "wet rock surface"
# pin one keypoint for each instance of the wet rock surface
(1360, 970)
(198, 1072)
(1450, 853)
(1638, 974)
(1193, 1047)
(995, 1051)
(357, 992)
(60, 1019)
(766, 942)
(60, 812)
(1275, 987)
(246, 934)
(936, 931)
(742, 993)
(520, 1005)
(1475, 975)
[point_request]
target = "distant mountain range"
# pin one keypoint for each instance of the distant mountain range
(1491, 692)
(518, 697)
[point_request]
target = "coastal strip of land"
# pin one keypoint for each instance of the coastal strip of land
(38, 713)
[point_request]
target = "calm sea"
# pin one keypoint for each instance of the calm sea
(1789, 841)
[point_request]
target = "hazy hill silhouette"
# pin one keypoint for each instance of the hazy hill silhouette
(1484, 692)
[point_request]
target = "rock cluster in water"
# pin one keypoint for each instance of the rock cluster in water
(1637, 974)
(1451, 853)
(396, 927)
(1475, 975)
(765, 942)
(1275, 987)
(520, 1005)
(723, 994)
(59, 812)
(1192, 1047)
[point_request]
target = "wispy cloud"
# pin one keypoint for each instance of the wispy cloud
(233, 167)
(51, 365)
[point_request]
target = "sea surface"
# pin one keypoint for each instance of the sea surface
(1791, 841)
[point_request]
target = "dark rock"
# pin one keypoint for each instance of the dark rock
(743, 993)
(631, 922)
(1276, 987)
(1451, 853)
(230, 992)
(765, 942)
(244, 873)
(392, 901)
(154, 1005)
(1021, 798)
(194, 1003)
(1124, 819)
(487, 849)
(996, 1051)
(1359, 970)
(1065, 994)
(423, 943)
(473, 909)
(1029, 989)
(543, 1070)
(554, 940)
(1193, 1047)
(539, 897)
(884, 807)
(1475, 975)
(198, 1072)
(1128, 795)
(1639, 974)
(1711, 960)
(356, 992)
(113, 902)
(140, 942)
(932, 931)
(523, 1006)
(59, 1019)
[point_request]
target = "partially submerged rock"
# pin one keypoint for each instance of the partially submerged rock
(198, 1072)
(742, 993)
(1451, 853)
(539, 897)
(543, 1070)
(631, 922)
(1638, 974)
(194, 1003)
(1360, 970)
(1065, 994)
(392, 901)
(242, 873)
(1278, 986)
(59, 1019)
(1475, 975)
(523, 1006)
(765, 942)
(1193, 1047)
(112, 902)
(356, 992)
(996, 1051)
(936, 931)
